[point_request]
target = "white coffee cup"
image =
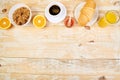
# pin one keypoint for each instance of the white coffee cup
(56, 18)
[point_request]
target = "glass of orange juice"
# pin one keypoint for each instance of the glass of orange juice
(111, 17)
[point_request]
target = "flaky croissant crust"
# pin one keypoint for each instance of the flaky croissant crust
(87, 12)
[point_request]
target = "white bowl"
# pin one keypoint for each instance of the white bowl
(14, 8)
(77, 12)
(56, 18)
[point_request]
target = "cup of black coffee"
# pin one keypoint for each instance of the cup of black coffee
(54, 10)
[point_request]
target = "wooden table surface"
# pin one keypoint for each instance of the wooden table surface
(57, 52)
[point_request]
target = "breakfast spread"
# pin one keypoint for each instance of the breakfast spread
(87, 12)
(5, 23)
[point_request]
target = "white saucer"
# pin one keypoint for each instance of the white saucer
(77, 12)
(58, 18)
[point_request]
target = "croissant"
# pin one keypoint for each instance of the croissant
(87, 12)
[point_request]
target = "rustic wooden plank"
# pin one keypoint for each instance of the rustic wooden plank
(57, 41)
(59, 66)
(18, 76)
(43, 44)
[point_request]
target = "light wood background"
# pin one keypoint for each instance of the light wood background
(57, 52)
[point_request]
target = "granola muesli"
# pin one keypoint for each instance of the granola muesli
(21, 15)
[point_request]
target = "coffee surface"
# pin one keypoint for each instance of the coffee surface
(54, 10)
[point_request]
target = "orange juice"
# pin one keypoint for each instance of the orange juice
(102, 22)
(111, 17)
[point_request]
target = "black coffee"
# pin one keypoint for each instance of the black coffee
(54, 10)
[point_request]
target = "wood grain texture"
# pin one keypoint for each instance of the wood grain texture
(58, 69)
(57, 41)
(17, 76)
(59, 66)
(57, 52)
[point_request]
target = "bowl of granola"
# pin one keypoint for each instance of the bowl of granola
(20, 14)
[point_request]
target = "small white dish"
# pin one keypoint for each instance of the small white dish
(77, 12)
(14, 8)
(56, 18)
